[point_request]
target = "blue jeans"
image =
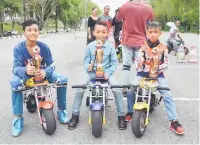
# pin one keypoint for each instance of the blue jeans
(17, 97)
(170, 106)
(128, 53)
(79, 96)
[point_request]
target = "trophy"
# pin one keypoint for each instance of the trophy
(37, 62)
(99, 59)
(154, 64)
(192, 55)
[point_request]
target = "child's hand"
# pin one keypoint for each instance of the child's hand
(40, 74)
(90, 67)
(106, 76)
(30, 70)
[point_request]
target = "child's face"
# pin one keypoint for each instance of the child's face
(32, 32)
(100, 32)
(153, 34)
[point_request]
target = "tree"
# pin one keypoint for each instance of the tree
(186, 11)
(71, 12)
(10, 7)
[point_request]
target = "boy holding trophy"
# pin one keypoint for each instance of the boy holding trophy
(100, 62)
(152, 60)
(33, 59)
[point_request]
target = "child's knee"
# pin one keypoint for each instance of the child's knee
(64, 79)
(15, 82)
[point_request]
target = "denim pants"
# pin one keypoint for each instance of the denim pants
(170, 106)
(79, 95)
(17, 97)
(174, 43)
(128, 53)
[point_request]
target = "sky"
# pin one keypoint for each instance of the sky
(114, 4)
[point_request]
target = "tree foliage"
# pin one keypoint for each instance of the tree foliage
(187, 11)
(10, 7)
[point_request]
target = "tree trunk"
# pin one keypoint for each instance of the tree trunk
(13, 25)
(1, 28)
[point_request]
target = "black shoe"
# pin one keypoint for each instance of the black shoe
(73, 122)
(122, 125)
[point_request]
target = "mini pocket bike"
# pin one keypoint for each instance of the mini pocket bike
(145, 101)
(39, 97)
(97, 101)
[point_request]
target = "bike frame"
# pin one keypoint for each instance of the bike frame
(100, 94)
(146, 91)
(46, 92)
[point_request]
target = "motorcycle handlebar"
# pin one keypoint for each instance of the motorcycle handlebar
(122, 86)
(80, 86)
(22, 89)
(163, 88)
(61, 84)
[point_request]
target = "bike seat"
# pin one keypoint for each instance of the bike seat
(150, 79)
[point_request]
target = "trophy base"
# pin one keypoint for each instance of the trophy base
(38, 80)
(153, 76)
(100, 75)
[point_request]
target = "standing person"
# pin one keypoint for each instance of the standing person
(91, 22)
(106, 18)
(135, 15)
(117, 28)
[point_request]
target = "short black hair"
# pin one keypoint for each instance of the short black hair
(94, 8)
(106, 7)
(101, 24)
(28, 22)
(154, 24)
(117, 10)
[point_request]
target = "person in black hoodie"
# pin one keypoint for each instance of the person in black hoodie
(117, 28)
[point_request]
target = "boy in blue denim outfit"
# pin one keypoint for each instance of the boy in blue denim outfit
(109, 64)
(142, 64)
(23, 70)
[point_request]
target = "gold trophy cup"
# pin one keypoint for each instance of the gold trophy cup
(99, 59)
(37, 62)
(154, 66)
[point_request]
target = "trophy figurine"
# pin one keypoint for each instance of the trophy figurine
(192, 55)
(99, 59)
(154, 64)
(37, 62)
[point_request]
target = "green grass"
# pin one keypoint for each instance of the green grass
(8, 26)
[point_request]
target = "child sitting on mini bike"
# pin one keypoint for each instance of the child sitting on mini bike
(147, 51)
(109, 64)
(23, 70)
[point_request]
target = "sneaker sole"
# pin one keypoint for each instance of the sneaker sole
(17, 135)
(176, 132)
(70, 128)
(121, 128)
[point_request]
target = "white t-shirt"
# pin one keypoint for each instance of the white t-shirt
(174, 31)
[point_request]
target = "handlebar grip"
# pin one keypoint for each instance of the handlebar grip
(22, 89)
(163, 88)
(80, 86)
(62, 84)
(116, 86)
(123, 86)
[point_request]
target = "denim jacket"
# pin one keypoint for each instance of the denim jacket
(110, 60)
(21, 57)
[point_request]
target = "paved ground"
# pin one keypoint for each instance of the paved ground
(68, 52)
